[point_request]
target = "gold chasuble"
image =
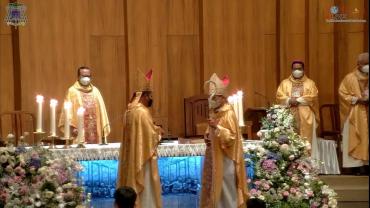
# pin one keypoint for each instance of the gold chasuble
(95, 117)
(138, 166)
(306, 112)
(354, 86)
(226, 145)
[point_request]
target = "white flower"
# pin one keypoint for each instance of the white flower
(3, 158)
(38, 204)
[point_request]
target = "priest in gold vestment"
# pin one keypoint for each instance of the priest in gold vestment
(300, 94)
(138, 154)
(84, 94)
(224, 178)
(354, 109)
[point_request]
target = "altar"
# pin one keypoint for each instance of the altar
(180, 167)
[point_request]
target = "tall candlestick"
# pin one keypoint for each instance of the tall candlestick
(81, 130)
(53, 104)
(240, 108)
(67, 108)
(39, 100)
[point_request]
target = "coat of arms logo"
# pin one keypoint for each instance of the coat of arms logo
(16, 14)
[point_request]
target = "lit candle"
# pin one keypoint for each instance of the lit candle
(235, 105)
(53, 104)
(81, 131)
(67, 109)
(39, 100)
(240, 107)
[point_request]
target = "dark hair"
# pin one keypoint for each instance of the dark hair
(144, 93)
(298, 62)
(125, 197)
(255, 203)
(79, 69)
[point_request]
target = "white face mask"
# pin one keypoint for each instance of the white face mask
(85, 81)
(297, 74)
(365, 69)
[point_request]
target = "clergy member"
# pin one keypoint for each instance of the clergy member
(300, 94)
(84, 94)
(224, 178)
(354, 106)
(138, 154)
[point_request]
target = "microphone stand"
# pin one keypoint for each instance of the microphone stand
(264, 97)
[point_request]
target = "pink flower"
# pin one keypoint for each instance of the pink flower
(266, 186)
(23, 190)
(285, 193)
(309, 193)
(284, 147)
(269, 165)
(257, 183)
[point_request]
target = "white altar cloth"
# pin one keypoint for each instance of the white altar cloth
(111, 151)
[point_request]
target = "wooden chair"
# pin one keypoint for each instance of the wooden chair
(330, 126)
(254, 115)
(17, 123)
(196, 115)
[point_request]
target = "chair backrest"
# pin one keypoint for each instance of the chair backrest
(329, 119)
(16, 122)
(196, 114)
(254, 116)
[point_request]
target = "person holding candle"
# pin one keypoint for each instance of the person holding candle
(300, 94)
(138, 154)
(224, 179)
(84, 94)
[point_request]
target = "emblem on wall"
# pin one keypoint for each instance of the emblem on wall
(16, 14)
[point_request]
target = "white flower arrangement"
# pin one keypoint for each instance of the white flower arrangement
(284, 174)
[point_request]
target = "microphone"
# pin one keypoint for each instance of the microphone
(264, 97)
(104, 137)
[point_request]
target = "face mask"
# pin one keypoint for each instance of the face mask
(85, 81)
(297, 74)
(365, 69)
(150, 102)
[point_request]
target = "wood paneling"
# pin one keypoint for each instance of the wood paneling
(106, 17)
(108, 64)
(6, 69)
(183, 77)
(183, 17)
(184, 41)
(147, 46)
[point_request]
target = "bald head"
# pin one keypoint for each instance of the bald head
(363, 59)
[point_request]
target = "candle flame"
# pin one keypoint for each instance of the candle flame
(39, 98)
(239, 93)
(53, 102)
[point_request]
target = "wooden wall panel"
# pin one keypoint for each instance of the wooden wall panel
(292, 34)
(52, 45)
(183, 78)
(147, 46)
(6, 68)
(106, 17)
(183, 17)
(107, 55)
